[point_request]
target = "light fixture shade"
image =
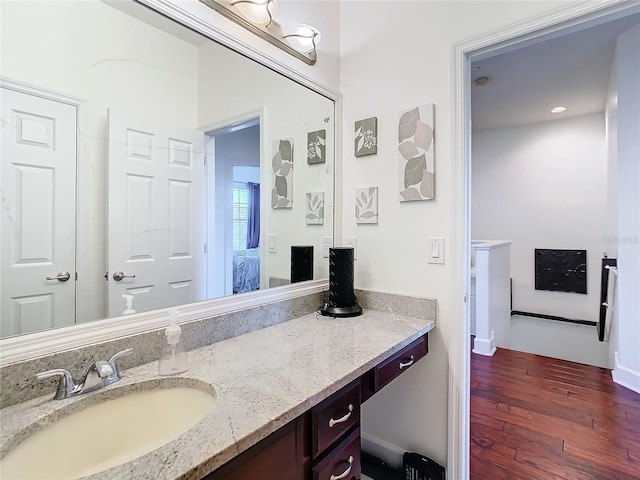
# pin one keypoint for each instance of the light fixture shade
(303, 38)
(259, 12)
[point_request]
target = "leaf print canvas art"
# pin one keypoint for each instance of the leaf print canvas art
(366, 137)
(316, 147)
(367, 205)
(415, 154)
(315, 208)
(282, 164)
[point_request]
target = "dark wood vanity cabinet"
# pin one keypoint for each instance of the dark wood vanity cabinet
(280, 456)
(324, 442)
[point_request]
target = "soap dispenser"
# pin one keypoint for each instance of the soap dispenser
(129, 300)
(173, 359)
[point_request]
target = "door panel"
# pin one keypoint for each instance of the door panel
(156, 213)
(37, 228)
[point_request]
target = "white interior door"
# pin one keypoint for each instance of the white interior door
(37, 229)
(156, 211)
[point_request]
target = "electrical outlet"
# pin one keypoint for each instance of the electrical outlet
(327, 243)
(353, 243)
(272, 244)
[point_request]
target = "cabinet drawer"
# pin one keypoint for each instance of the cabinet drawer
(334, 416)
(398, 363)
(341, 463)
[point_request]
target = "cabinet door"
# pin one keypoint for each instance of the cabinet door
(277, 457)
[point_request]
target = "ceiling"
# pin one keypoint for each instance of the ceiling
(525, 84)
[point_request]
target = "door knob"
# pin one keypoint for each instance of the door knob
(61, 277)
(117, 276)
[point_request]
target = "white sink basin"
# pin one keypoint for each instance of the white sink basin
(107, 434)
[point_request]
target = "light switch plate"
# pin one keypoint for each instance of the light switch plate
(353, 243)
(272, 243)
(435, 250)
(327, 243)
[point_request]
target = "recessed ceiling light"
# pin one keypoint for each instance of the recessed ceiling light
(558, 109)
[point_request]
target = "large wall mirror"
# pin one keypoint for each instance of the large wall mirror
(146, 166)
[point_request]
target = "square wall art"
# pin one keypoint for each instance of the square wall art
(316, 147)
(282, 163)
(367, 205)
(415, 154)
(366, 138)
(315, 208)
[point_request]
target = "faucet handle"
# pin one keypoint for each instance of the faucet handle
(66, 385)
(116, 356)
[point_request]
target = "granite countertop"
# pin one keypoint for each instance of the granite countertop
(262, 380)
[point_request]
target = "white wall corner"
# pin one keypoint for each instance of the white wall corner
(485, 346)
(385, 451)
(625, 376)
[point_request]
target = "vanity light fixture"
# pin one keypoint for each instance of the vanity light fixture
(558, 109)
(256, 16)
(304, 38)
(259, 12)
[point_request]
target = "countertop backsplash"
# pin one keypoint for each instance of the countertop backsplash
(18, 382)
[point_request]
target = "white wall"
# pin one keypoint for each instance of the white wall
(128, 66)
(397, 55)
(627, 369)
(544, 186)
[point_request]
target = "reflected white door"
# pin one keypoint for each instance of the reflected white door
(37, 230)
(156, 211)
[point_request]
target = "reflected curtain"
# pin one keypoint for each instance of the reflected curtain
(253, 222)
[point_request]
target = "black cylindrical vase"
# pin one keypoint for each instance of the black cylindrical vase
(342, 299)
(301, 263)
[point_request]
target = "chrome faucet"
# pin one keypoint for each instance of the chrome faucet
(100, 375)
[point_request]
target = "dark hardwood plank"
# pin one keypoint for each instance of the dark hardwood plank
(534, 417)
(483, 436)
(504, 458)
(486, 421)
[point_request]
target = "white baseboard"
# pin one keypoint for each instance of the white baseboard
(485, 346)
(385, 451)
(625, 376)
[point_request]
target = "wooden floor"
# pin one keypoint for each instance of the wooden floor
(535, 417)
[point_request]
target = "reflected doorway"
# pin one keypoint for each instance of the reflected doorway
(233, 209)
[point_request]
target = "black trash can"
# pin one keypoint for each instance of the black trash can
(419, 467)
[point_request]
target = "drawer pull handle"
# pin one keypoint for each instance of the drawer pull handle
(408, 364)
(333, 422)
(345, 473)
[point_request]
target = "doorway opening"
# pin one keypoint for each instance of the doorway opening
(535, 30)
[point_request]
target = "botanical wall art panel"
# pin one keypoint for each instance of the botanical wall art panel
(315, 208)
(366, 138)
(415, 154)
(316, 147)
(282, 163)
(367, 205)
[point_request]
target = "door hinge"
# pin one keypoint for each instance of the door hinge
(76, 276)
(205, 248)
(464, 299)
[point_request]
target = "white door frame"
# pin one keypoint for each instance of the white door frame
(557, 22)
